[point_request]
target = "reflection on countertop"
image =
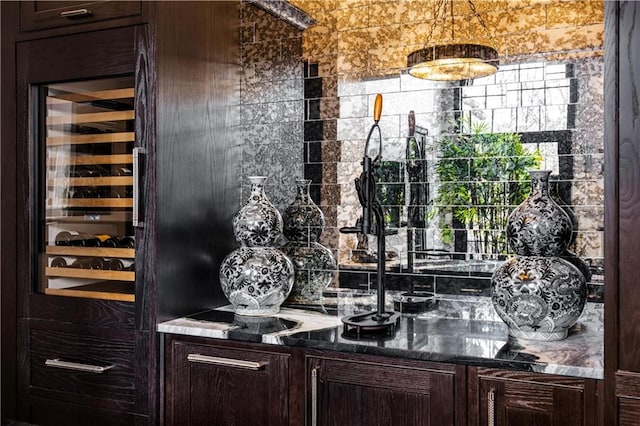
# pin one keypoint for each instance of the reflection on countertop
(454, 329)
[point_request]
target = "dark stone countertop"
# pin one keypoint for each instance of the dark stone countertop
(454, 329)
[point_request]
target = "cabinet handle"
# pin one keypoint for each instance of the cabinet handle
(57, 363)
(491, 408)
(227, 362)
(75, 13)
(314, 397)
(138, 158)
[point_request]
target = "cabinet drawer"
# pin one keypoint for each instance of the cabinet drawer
(39, 15)
(211, 385)
(82, 364)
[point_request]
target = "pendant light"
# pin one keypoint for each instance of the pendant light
(453, 61)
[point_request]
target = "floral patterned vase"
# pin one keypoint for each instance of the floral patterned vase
(257, 278)
(539, 226)
(314, 264)
(539, 298)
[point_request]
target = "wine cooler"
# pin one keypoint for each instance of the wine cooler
(88, 175)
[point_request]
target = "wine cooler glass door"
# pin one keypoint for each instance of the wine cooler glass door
(89, 173)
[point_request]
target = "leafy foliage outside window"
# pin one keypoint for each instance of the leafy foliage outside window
(482, 177)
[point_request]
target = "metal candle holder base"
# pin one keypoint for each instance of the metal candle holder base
(371, 325)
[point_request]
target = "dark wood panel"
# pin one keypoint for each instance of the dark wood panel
(629, 186)
(523, 376)
(611, 252)
(8, 179)
(147, 357)
(347, 404)
(204, 394)
(628, 412)
(198, 173)
(47, 412)
(628, 384)
(83, 311)
(94, 54)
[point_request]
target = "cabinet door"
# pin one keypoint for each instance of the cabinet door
(216, 385)
(361, 392)
(533, 399)
(39, 15)
(82, 160)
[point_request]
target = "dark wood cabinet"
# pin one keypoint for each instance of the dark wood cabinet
(622, 214)
(510, 398)
(363, 390)
(215, 383)
(87, 352)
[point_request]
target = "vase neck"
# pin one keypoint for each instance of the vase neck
(257, 187)
(540, 182)
(302, 186)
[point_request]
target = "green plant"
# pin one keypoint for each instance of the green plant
(482, 176)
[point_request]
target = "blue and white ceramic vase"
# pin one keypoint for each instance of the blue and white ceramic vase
(537, 293)
(257, 277)
(314, 264)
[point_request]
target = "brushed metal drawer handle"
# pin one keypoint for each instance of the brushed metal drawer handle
(227, 362)
(57, 363)
(75, 13)
(314, 397)
(491, 408)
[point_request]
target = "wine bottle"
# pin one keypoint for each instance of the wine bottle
(88, 263)
(113, 264)
(58, 262)
(63, 238)
(107, 240)
(126, 242)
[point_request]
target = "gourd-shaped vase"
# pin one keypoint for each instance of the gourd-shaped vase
(539, 226)
(257, 277)
(538, 294)
(314, 264)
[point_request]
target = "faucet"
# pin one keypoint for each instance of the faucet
(372, 222)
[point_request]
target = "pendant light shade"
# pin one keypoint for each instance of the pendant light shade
(450, 62)
(455, 60)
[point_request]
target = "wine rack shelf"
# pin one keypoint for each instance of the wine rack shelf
(111, 217)
(95, 95)
(93, 117)
(121, 253)
(97, 138)
(90, 202)
(95, 274)
(91, 181)
(106, 291)
(89, 160)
